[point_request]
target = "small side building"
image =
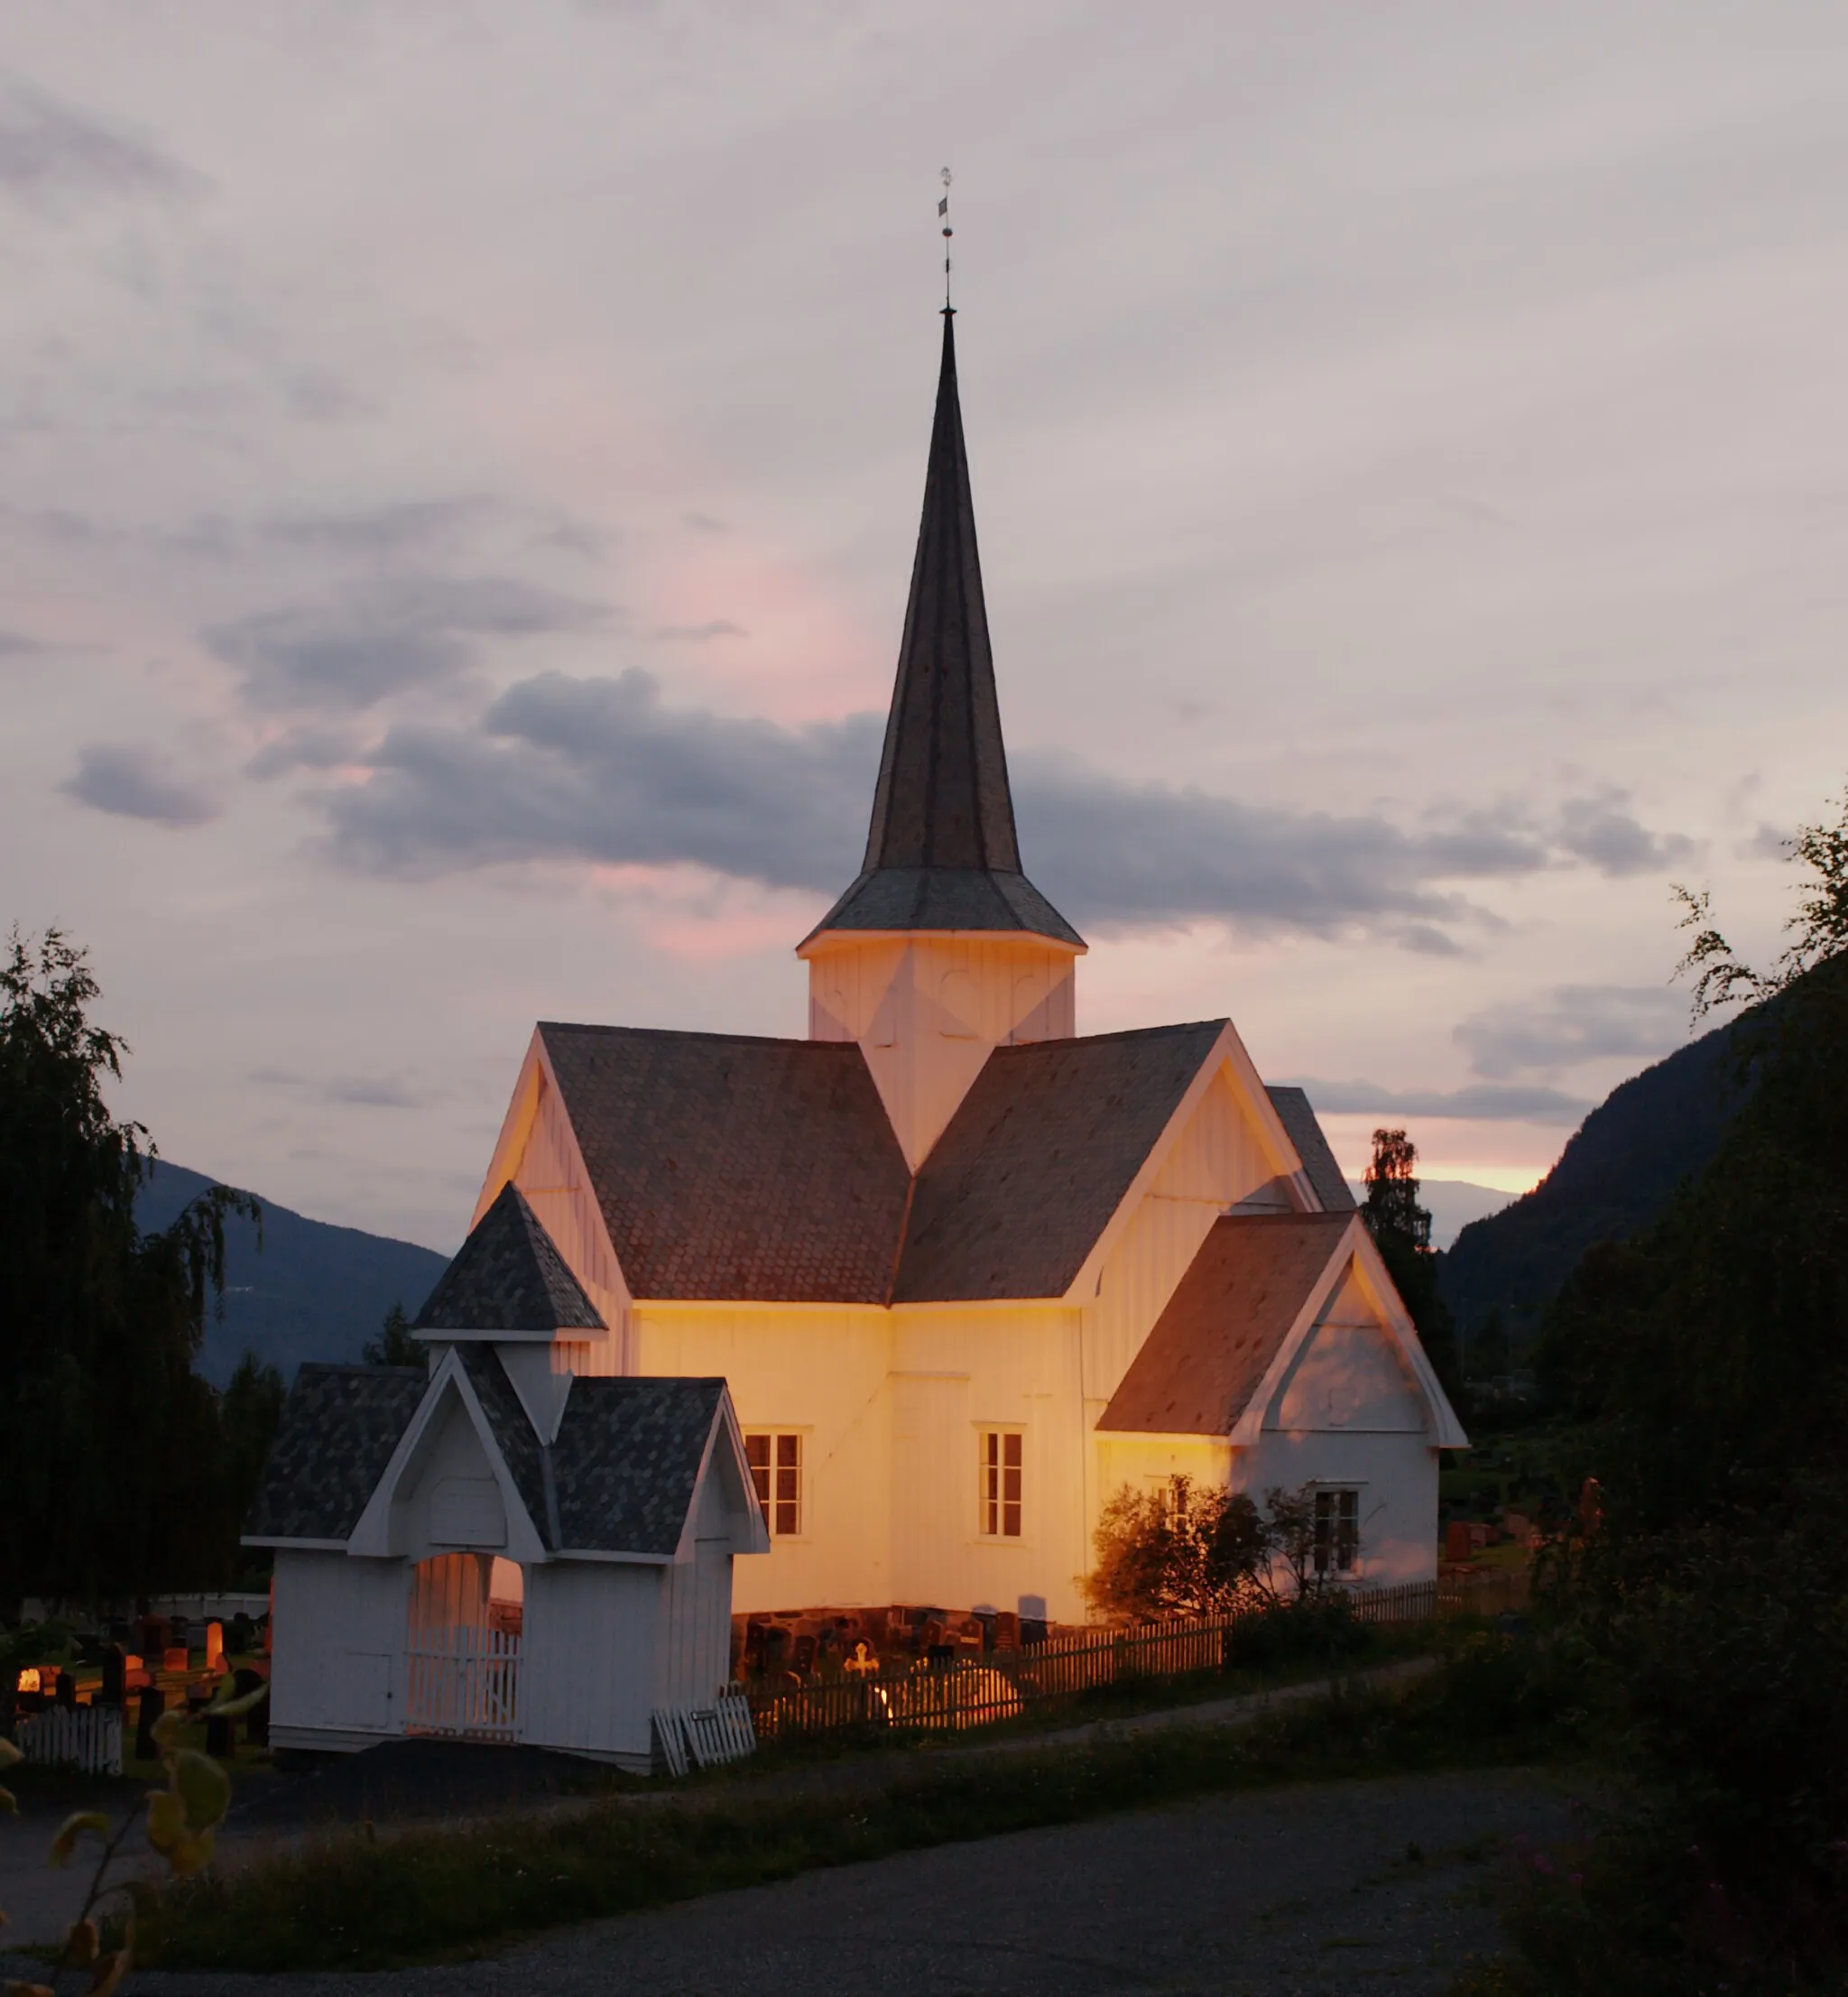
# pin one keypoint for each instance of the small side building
(494, 1548)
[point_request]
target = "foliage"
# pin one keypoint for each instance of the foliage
(182, 1820)
(120, 1474)
(1401, 1232)
(1709, 1357)
(1184, 1549)
(395, 1345)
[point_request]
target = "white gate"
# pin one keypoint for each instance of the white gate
(463, 1681)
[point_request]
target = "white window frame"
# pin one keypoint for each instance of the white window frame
(1344, 1521)
(771, 1501)
(992, 1504)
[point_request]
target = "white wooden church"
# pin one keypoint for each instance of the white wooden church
(915, 1294)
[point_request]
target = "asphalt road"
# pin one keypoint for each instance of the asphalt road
(1321, 1890)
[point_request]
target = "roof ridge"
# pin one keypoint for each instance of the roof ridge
(686, 1033)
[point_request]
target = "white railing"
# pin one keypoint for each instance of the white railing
(87, 1738)
(463, 1681)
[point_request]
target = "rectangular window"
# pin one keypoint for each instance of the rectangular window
(1338, 1531)
(1001, 1483)
(776, 1470)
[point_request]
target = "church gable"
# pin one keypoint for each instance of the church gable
(1349, 1374)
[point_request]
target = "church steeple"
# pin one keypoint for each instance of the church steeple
(942, 950)
(941, 850)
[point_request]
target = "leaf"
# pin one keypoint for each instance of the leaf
(82, 1943)
(191, 1855)
(9, 1803)
(167, 1729)
(30, 1990)
(9, 1753)
(204, 1788)
(166, 1820)
(72, 1828)
(109, 1972)
(233, 1709)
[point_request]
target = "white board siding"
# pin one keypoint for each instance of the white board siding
(1397, 1477)
(1348, 1376)
(589, 1654)
(821, 1372)
(339, 1635)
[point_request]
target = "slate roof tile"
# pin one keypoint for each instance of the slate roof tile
(626, 1461)
(340, 1425)
(508, 1276)
(1296, 1115)
(1037, 1158)
(1226, 1322)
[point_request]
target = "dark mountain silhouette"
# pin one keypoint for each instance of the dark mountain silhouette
(1614, 1176)
(314, 1292)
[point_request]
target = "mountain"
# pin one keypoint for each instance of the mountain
(314, 1291)
(1614, 1178)
(1452, 1204)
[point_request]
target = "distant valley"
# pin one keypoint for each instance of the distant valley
(313, 1291)
(1453, 1205)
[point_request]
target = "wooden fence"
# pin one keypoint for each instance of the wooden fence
(87, 1738)
(964, 1692)
(464, 1682)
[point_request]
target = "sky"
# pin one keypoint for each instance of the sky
(459, 467)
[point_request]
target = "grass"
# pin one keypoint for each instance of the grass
(350, 1903)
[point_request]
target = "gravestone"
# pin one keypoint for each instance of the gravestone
(215, 1646)
(65, 1689)
(221, 1736)
(115, 1671)
(154, 1702)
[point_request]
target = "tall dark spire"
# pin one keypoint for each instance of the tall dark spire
(941, 850)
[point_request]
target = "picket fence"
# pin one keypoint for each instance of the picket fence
(462, 1682)
(87, 1738)
(705, 1736)
(998, 1684)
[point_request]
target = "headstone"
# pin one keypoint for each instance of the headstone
(179, 1634)
(115, 1671)
(176, 1659)
(152, 1638)
(1456, 1540)
(154, 1702)
(240, 1639)
(1032, 1629)
(65, 1689)
(221, 1736)
(256, 1722)
(215, 1646)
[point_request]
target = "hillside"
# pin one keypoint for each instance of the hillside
(1614, 1176)
(314, 1292)
(1452, 1204)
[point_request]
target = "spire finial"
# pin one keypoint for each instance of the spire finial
(943, 216)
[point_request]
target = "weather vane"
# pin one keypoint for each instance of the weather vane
(943, 216)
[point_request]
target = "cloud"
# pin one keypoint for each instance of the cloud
(310, 746)
(1598, 829)
(387, 637)
(137, 783)
(599, 770)
(1476, 1102)
(430, 526)
(50, 149)
(705, 524)
(15, 644)
(720, 627)
(362, 1091)
(1571, 1024)
(564, 769)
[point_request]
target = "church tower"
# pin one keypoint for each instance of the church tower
(942, 950)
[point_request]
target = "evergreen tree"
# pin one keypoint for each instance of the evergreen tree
(396, 1344)
(109, 1443)
(1401, 1232)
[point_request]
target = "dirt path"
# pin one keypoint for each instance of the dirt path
(1322, 1890)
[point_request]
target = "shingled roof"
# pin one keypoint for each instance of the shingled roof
(508, 1276)
(1224, 1324)
(734, 1167)
(1295, 1113)
(941, 850)
(745, 1168)
(340, 1425)
(1038, 1157)
(626, 1461)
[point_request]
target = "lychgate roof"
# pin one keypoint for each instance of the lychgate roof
(1226, 1322)
(626, 1460)
(340, 1425)
(941, 850)
(508, 1276)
